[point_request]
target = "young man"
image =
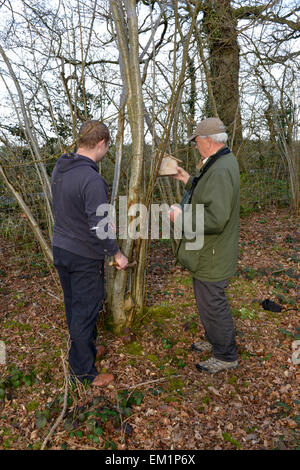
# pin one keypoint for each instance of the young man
(78, 190)
(218, 189)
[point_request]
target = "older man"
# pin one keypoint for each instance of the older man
(217, 187)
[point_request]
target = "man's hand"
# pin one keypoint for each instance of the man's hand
(181, 175)
(121, 260)
(174, 212)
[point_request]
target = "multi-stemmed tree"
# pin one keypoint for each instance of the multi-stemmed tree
(150, 69)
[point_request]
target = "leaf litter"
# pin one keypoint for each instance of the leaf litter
(158, 400)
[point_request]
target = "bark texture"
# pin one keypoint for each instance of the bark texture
(220, 26)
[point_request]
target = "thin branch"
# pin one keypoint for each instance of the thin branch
(60, 418)
(151, 382)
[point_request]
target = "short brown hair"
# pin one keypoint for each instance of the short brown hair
(91, 132)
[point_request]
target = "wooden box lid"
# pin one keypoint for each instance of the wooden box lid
(168, 165)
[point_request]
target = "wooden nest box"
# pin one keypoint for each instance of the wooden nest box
(168, 165)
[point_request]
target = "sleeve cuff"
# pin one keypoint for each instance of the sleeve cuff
(111, 251)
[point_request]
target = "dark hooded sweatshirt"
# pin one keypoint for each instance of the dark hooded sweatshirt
(78, 190)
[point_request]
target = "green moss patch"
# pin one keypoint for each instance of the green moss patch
(175, 385)
(134, 348)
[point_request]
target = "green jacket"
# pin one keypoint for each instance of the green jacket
(219, 191)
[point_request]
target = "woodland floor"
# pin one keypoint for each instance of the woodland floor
(158, 400)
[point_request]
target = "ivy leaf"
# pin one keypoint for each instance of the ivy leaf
(125, 411)
(98, 431)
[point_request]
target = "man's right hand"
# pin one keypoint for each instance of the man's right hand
(181, 175)
(121, 260)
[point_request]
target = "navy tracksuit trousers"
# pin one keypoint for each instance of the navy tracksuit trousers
(82, 281)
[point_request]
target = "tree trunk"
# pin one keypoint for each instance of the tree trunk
(125, 20)
(220, 26)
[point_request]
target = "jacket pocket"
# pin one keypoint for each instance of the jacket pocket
(190, 259)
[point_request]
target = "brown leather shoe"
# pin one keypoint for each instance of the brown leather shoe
(100, 351)
(101, 380)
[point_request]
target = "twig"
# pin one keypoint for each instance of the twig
(59, 419)
(52, 295)
(152, 381)
(280, 270)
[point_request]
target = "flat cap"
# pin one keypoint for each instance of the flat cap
(208, 127)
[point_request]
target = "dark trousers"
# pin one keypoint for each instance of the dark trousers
(82, 281)
(216, 318)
